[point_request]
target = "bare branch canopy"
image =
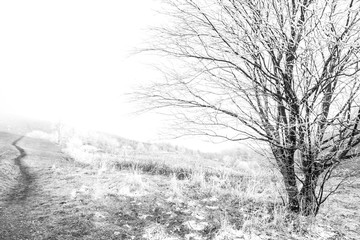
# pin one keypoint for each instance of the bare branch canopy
(281, 72)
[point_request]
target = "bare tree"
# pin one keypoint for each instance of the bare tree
(281, 72)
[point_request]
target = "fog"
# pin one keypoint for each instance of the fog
(72, 61)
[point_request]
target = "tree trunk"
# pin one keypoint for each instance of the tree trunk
(285, 162)
(308, 201)
(289, 179)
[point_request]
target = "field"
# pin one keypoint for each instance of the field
(202, 198)
(96, 186)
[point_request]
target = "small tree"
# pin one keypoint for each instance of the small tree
(281, 72)
(58, 127)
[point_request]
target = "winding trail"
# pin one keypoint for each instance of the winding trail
(21, 191)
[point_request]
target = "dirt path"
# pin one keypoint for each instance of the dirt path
(14, 217)
(21, 192)
(27, 206)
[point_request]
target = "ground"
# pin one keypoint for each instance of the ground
(55, 198)
(44, 194)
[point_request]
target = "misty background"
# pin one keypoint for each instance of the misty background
(73, 62)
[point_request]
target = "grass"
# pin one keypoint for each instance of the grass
(154, 196)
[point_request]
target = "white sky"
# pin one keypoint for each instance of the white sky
(69, 60)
